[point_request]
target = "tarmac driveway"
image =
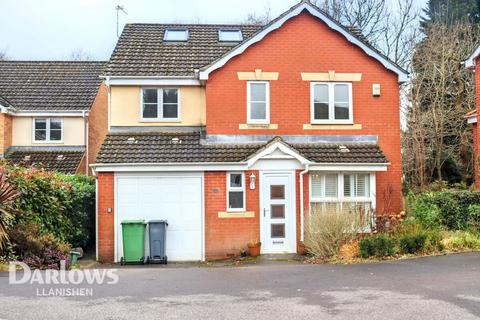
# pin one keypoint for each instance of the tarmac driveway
(446, 287)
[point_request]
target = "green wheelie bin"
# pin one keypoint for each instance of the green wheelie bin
(133, 236)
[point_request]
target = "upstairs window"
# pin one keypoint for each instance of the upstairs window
(331, 102)
(258, 102)
(176, 35)
(236, 191)
(160, 104)
(47, 130)
(230, 35)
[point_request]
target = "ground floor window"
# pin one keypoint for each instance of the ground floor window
(342, 192)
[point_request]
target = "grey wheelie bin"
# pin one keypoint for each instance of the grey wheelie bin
(157, 231)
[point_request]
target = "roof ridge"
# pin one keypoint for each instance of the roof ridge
(54, 61)
(196, 24)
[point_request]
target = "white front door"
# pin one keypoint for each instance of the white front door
(277, 205)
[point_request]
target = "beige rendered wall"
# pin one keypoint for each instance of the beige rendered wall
(125, 107)
(73, 132)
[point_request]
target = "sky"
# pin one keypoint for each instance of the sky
(53, 29)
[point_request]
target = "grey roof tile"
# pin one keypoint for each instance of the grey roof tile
(160, 147)
(141, 51)
(50, 85)
(64, 161)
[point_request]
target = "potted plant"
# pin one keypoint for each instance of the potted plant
(254, 248)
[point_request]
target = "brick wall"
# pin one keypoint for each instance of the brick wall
(105, 219)
(5, 133)
(225, 237)
(98, 123)
(305, 44)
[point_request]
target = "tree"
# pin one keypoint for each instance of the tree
(438, 142)
(262, 18)
(80, 55)
(450, 12)
(8, 194)
(393, 29)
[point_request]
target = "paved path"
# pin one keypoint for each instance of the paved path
(446, 287)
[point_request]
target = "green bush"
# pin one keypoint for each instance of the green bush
(450, 209)
(62, 205)
(413, 243)
(380, 246)
(461, 240)
(37, 249)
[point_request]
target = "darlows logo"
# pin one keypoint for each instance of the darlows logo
(20, 273)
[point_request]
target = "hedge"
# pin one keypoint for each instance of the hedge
(450, 209)
(63, 205)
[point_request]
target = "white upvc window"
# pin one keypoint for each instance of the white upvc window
(342, 192)
(160, 104)
(176, 35)
(48, 130)
(331, 102)
(258, 102)
(235, 191)
(230, 35)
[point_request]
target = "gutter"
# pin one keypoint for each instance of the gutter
(86, 121)
(109, 93)
(302, 218)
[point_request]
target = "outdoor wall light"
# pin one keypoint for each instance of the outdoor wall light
(253, 178)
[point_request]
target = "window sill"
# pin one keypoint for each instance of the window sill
(233, 214)
(251, 126)
(309, 126)
(161, 120)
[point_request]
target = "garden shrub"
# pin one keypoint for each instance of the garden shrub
(450, 209)
(461, 240)
(380, 245)
(38, 249)
(413, 243)
(60, 204)
(326, 232)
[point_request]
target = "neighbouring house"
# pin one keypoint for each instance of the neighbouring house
(472, 117)
(53, 113)
(235, 133)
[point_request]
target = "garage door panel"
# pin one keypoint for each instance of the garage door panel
(175, 199)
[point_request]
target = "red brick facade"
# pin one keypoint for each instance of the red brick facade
(106, 221)
(5, 132)
(226, 237)
(305, 44)
(97, 124)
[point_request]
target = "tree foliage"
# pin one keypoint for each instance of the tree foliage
(451, 12)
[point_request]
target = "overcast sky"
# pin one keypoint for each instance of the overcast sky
(52, 29)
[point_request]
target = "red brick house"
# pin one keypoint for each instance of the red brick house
(236, 133)
(472, 117)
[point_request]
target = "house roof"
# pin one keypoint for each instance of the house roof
(471, 116)
(64, 160)
(188, 147)
(470, 62)
(142, 52)
(50, 85)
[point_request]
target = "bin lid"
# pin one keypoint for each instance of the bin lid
(133, 222)
(158, 221)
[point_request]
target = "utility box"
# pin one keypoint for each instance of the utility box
(157, 231)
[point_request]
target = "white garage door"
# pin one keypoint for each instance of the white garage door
(177, 199)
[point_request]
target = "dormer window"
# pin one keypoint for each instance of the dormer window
(230, 35)
(176, 35)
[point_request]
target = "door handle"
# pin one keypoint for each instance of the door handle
(264, 212)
